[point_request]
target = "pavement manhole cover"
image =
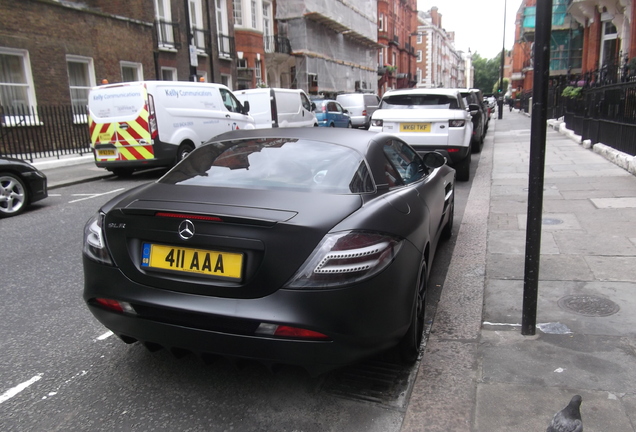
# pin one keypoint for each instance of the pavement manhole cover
(551, 221)
(588, 305)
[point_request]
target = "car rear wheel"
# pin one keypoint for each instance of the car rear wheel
(477, 144)
(463, 169)
(409, 347)
(14, 195)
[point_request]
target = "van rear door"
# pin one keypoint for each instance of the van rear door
(119, 123)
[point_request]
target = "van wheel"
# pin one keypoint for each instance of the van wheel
(184, 150)
(332, 125)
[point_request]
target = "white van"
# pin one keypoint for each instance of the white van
(157, 123)
(276, 107)
(361, 107)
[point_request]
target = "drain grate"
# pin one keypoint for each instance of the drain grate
(379, 381)
(588, 305)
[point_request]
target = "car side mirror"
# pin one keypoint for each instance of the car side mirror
(313, 106)
(433, 160)
(246, 107)
(345, 111)
(474, 109)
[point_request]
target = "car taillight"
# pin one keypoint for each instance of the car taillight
(288, 331)
(94, 241)
(152, 117)
(364, 112)
(346, 258)
(115, 305)
(324, 108)
(456, 123)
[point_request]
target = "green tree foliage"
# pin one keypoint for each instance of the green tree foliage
(486, 73)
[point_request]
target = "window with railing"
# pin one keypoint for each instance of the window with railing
(165, 26)
(222, 26)
(196, 24)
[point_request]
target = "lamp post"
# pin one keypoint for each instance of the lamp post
(500, 101)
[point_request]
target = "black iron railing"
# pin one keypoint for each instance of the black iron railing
(43, 131)
(277, 44)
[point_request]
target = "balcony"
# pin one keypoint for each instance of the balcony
(167, 35)
(227, 48)
(277, 44)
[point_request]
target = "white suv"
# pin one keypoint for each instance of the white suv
(429, 120)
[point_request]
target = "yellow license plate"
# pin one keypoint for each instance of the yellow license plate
(415, 127)
(200, 261)
(107, 152)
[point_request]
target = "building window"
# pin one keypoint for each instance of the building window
(419, 56)
(268, 30)
(238, 12)
(196, 24)
(253, 10)
(222, 29)
(381, 22)
(131, 71)
(16, 83)
(609, 43)
(418, 74)
(81, 77)
(419, 37)
(168, 74)
(381, 57)
(258, 72)
(165, 29)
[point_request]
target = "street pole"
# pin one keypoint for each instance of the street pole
(500, 101)
(538, 129)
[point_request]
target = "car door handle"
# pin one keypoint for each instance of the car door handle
(227, 116)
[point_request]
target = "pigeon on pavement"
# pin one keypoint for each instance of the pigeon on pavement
(569, 418)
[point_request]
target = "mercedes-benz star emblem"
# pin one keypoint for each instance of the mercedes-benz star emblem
(186, 229)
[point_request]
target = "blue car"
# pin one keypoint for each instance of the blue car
(330, 113)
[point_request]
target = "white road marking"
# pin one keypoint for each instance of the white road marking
(89, 196)
(105, 335)
(17, 389)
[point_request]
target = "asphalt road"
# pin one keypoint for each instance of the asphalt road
(61, 370)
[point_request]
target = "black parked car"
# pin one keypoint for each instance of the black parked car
(479, 115)
(21, 184)
(280, 245)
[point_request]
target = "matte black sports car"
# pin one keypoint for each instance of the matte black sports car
(21, 184)
(291, 246)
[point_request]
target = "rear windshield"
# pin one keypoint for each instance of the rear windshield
(350, 100)
(274, 163)
(419, 102)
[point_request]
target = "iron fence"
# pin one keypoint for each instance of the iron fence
(43, 131)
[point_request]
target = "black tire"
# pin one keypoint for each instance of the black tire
(332, 125)
(409, 347)
(349, 125)
(184, 150)
(122, 172)
(447, 231)
(14, 195)
(463, 169)
(477, 145)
